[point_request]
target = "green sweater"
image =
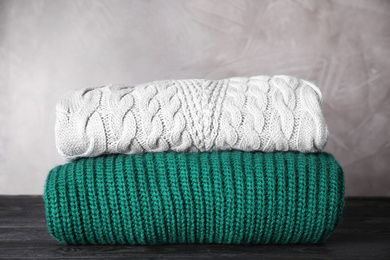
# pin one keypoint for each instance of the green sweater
(219, 197)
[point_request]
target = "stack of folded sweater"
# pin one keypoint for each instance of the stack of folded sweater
(233, 161)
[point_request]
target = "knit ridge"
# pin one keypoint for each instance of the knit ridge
(210, 197)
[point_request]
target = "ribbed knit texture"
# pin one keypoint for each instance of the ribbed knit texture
(219, 197)
(262, 113)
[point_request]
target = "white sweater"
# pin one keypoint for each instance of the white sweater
(262, 113)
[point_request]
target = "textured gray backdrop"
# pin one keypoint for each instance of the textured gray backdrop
(50, 47)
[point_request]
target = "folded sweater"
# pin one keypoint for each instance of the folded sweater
(218, 197)
(262, 113)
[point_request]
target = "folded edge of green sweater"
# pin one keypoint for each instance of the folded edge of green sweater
(228, 197)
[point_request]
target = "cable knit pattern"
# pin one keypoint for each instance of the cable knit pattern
(219, 197)
(261, 113)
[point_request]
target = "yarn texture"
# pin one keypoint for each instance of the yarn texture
(262, 113)
(229, 197)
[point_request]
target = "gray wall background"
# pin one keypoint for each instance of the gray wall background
(50, 47)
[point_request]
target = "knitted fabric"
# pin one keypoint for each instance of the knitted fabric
(262, 113)
(219, 197)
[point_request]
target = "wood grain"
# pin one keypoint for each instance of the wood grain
(364, 233)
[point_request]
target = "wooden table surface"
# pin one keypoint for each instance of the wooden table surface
(363, 233)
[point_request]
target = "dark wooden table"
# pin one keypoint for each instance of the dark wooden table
(364, 233)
